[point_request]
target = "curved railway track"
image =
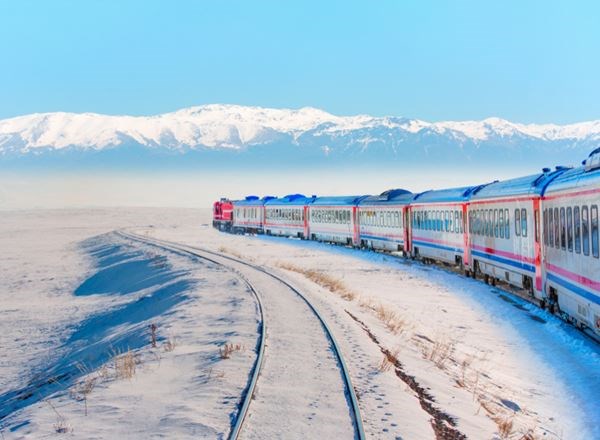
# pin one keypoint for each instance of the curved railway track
(229, 263)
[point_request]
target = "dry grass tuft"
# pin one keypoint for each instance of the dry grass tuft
(390, 319)
(82, 389)
(125, 364)
(232, 252)
(384, 365)
(324, 280)
(227, 350)
(169, 345)
(505, 427)
(60, 426)
(440, 352)
(389, 360)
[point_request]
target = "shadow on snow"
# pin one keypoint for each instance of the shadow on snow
(120, 270)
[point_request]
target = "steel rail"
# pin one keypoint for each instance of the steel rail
(358, 424)
(249, 391)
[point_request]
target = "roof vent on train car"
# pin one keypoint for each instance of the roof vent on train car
(546, 170)
(593, 160)
(251, 198)
(265, 198)
(391, 193)
(291, 197)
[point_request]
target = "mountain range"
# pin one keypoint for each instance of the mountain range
(253, 133)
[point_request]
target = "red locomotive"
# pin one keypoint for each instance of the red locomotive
(222, 214)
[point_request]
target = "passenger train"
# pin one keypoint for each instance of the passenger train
(538, 233)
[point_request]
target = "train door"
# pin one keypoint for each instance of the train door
(537, 250)
(407, 230)
(305, 218)
(464, 221)
(355, 234)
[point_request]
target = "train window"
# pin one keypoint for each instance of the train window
(556, 229)
(585, 230)
(506, 224)
(545, 215)
(577, 221)
(482, 222)
(523, 222)
(460, 222)
(501, 221)
(563, 229)
(397, 218)
(445, 225)
(569, 229)
(517, 222)
(594, 225)
(536, 225)
(388, 218)
(550, 228)
(457, 224)
(486, 222)
(496, 220)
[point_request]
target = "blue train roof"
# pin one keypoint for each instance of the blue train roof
(253, 201)
(521, 186)
(291, 199)
(461, 194)
(575, 177)
(338, 200)
(392, 196)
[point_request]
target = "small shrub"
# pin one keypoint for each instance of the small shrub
(227, 350)
(153, 329)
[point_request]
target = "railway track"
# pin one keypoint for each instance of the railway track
(286, 366)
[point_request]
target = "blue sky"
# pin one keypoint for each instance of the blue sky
(534, 61)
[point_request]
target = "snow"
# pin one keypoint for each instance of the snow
(507, 360)
(235, 126)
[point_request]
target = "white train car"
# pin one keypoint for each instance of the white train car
(504, 226)
(382, 220)
(249, 214)
(571, 257)
(437, 230)
(334, 219)
(287, 216)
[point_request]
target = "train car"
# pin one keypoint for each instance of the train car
(222, 214)
(571, 248)
(249, 214)
(504, 224)
(334, 219)
(438, 226)
(382, 218)
(288, 216)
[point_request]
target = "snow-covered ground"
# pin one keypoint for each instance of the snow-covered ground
(458, 350)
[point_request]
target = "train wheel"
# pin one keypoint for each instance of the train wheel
(486, 279)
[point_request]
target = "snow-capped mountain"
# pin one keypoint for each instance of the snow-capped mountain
(239, 128)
